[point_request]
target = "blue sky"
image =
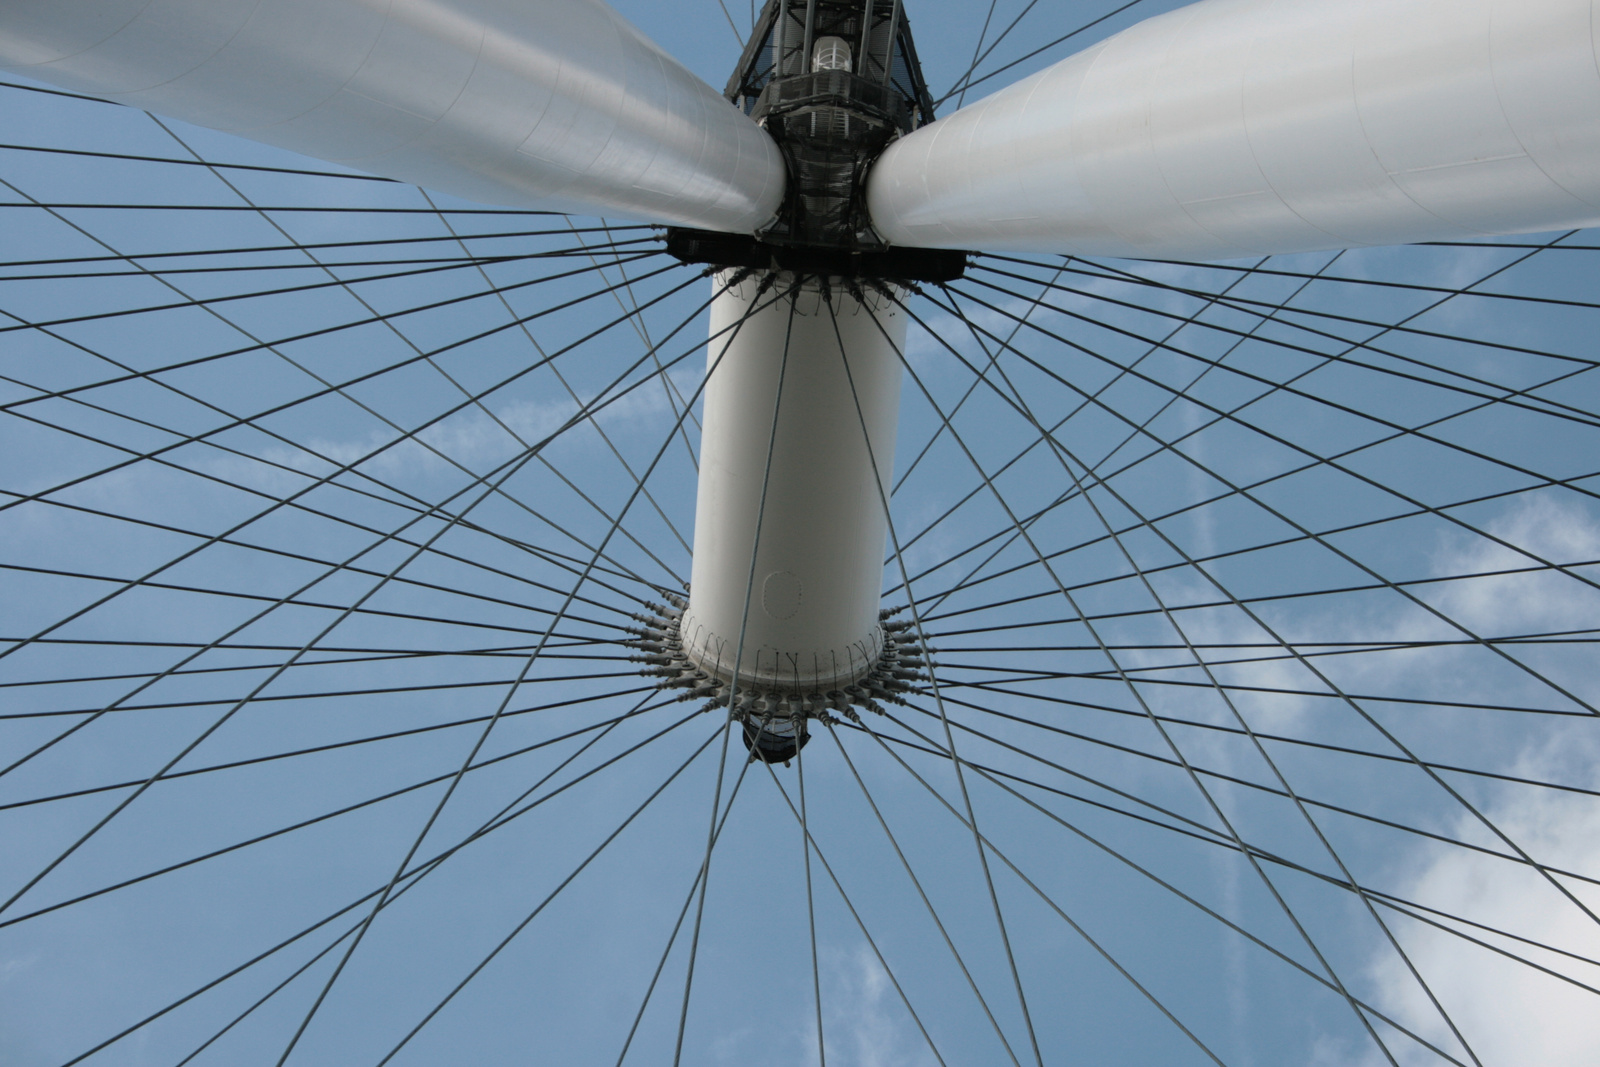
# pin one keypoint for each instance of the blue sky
(1265, 479)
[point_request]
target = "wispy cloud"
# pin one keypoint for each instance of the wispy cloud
(1512, 1014)
(864, 1022)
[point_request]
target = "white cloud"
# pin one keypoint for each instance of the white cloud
(1560, 533)
(864, 1021)
(470, 438)
(1511, 1014)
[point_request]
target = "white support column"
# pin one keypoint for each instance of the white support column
(1239, 127)
(813, 607)
(552, 104)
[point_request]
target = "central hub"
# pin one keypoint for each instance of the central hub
(833, 82)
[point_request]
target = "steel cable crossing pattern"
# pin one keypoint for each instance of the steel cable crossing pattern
(1493, 647)
(1016, 725)
(1068, 462)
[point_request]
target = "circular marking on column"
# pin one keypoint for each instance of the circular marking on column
(780, 595)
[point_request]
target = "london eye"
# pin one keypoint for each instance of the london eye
(1008, 533)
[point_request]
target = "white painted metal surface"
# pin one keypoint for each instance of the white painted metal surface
(532, 103)
(813, 605)
(1236, 127)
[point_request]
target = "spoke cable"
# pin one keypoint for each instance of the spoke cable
(916, 619)
(1133, 690)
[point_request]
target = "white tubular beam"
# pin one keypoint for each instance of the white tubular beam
(555, 104)
(813, 607)
(1239, 127)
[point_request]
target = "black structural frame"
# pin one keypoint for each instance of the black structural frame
(831, 119)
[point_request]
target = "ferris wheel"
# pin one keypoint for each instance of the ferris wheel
(1070, 536)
